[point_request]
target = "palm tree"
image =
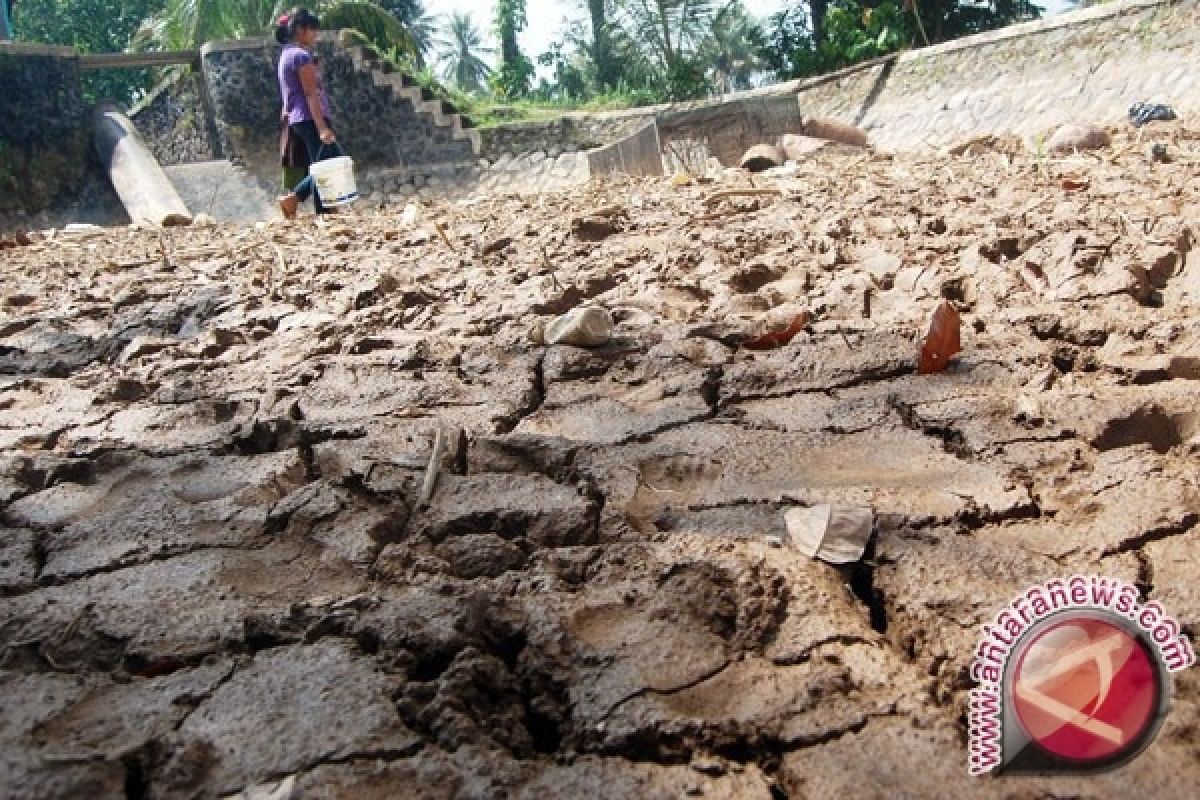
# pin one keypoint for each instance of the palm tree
(731, 49)
(376, 25)
(187, 24)
(671, 28)
(424, 29)
(464, 68)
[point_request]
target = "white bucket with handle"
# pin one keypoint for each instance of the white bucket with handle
(334, 179)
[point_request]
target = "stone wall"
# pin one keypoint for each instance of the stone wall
(176, 121)
(384, 186)
(44, 143)
(566, 134)
(375, 126)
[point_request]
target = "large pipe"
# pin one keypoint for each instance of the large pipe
(145, 190)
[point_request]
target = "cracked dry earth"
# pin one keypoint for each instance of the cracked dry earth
(217, 574)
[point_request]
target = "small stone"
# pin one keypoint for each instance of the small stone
(589, 326)
(1078, 136)
(593, 228)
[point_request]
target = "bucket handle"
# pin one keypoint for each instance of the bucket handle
(321, 150)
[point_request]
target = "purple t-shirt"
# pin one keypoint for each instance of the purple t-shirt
(294, 103)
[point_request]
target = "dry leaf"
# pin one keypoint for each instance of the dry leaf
(1072, 185)
(941, 342)
(779, 338)
(834, 535)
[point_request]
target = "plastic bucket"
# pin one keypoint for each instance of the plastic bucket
(334, 179)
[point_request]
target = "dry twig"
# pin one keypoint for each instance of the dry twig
(728, 193)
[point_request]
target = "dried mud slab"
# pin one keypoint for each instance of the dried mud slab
(218, 572)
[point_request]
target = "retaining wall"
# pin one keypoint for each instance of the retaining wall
(376, 127)
(46, 157)
(570, 133)
(176, 120)
(43, 126)
(1026, 79)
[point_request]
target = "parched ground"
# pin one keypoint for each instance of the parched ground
(216, 571)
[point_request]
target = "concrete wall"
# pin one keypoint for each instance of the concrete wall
(1026, 79)
(637, 154)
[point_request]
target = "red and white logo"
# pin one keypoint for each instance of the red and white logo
(1074, 676)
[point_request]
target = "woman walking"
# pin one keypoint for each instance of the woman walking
(305, 104)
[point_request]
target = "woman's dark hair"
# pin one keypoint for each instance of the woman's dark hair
(298, 19)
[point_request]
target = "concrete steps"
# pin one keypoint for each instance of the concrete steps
(223, 191)
(384, 75)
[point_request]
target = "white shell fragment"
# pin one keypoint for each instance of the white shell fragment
(834, 535)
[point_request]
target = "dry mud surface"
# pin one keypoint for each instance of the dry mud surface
(215, 571)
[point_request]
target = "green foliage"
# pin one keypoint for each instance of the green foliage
(424, 28)
(378, 26)
(512, 80)
(91, 26)
(464, 67)
(731, 52)
(405, 11)
(188, 24)
(850, 31)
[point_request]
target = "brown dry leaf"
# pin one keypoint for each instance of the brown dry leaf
(779, 338)
(1073, 185)
(941, 342)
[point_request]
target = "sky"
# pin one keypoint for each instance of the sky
(548, 17)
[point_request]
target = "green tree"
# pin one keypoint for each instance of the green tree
(602, 50)
(669, 33)
(669, 28)
(944, 20)
(464, 66)
(91, 26)
(188, 24)
(378, 26)
(811, 38)
(423, 28)
(731, 51)
(516, 71)
(404, 10)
